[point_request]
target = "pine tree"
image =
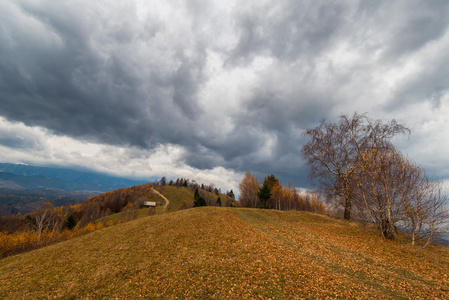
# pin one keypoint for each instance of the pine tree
(199, 201)
(70, 223)
(231, 194)
(264, 195)
(219, 201)
(265, 192)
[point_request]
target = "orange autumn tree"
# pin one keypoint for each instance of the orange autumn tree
(383, 185)
(392, 192)
(248, 190)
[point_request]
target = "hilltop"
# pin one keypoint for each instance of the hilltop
(50, 224)
(229, 253)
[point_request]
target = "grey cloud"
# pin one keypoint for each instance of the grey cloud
(97, 91)
(15, 136)
(420, 22)
(430, 84)
(100, 73)
(287, 30)
(397, 29)
(271, 110)
(19, 141)
(269, 133)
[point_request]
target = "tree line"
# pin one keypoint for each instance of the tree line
(271, 194)
(182, 182)
(355, 164)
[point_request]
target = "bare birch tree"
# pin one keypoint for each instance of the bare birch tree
(426, 216)
(333, 150)
(42, 218)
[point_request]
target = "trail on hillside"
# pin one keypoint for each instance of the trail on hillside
(167, 202)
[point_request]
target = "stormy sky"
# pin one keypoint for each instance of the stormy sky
(209, 89)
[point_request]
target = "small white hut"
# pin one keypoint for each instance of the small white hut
(149, 204)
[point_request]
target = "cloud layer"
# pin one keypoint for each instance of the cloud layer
(225, 86)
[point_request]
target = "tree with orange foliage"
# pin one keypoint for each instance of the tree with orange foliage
(392, 191)
(248, 190)
(384, 183)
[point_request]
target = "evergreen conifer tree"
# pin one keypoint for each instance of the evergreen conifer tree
(199, 201)
(70, 222)
(264, 195)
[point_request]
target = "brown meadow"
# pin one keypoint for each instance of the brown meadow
(229, 253)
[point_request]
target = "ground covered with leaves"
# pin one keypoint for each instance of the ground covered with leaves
(229, 253)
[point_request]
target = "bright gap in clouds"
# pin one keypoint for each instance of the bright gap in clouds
(37, 146)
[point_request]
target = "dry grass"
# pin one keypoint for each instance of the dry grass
(228, 253)
(177, 196)
(180, 195)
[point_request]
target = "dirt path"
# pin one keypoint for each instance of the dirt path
(163, 197)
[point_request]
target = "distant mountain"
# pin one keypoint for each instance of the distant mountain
(31, 177)
(25, 201)
(22, 182)
(24, 188)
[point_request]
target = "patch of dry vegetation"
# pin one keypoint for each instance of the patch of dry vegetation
(228, 253)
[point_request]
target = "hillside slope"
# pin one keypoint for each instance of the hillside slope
(228, 253)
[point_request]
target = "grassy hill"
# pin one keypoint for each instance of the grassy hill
(17, 234)
(184, 196)
(228, 253)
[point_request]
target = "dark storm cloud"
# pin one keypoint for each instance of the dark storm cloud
(105, 74)
(17, 140)
(268, 138)
(413, 25)
(270, 121)
(73, 84)
(287, 30)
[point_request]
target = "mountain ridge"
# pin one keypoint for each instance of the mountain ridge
(74, 179)
(24, 188)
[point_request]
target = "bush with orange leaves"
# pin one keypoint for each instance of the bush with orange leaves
(22, 241)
